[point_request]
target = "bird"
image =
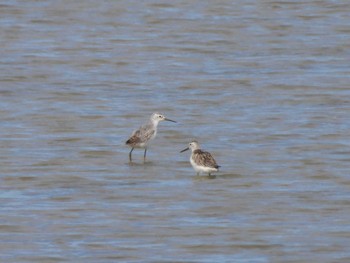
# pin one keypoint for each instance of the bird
(201, 161)
(147, 132)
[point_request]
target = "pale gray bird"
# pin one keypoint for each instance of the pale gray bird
(201, 161)
(147, 132)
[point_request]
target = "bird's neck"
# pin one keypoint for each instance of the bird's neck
(155, 123)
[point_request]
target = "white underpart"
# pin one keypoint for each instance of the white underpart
(200, 168)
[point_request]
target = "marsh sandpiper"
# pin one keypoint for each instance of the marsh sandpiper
(147, 132)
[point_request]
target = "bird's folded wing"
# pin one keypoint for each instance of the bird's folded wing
(141, 135)
(205, 159)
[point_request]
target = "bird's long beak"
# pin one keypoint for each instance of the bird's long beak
(184, 150)
(166, 119)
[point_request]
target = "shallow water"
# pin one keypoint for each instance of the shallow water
(263, 86)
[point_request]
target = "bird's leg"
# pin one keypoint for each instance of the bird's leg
(144, 155)
(130, 154)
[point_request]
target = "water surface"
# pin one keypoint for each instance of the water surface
(262, 85)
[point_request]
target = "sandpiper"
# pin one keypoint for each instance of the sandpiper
(201, 161)
(141, 137)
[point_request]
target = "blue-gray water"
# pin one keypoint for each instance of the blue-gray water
(262, 85)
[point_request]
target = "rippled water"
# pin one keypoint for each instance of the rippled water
(263, 85)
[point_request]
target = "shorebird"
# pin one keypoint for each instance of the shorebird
(201, 161)
(147, 132)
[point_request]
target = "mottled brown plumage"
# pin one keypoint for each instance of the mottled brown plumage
(204, 159)
(201, 161)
